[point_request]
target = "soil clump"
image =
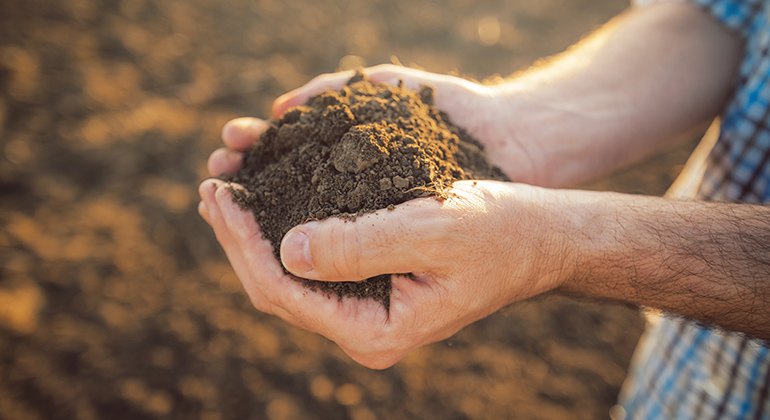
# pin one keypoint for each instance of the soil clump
(361, 149)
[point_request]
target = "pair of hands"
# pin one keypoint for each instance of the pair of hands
(477, 251)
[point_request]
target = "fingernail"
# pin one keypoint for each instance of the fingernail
(295, 252)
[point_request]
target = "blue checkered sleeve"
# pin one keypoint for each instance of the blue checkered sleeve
(737, 15)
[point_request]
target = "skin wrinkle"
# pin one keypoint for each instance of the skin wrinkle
(485, 213)
(352, 260)
(338, 243)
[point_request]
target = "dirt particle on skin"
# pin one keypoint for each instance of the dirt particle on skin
(363, 148)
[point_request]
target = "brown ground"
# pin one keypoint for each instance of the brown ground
(116, 302)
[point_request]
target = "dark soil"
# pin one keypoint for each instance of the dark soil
(360, 149)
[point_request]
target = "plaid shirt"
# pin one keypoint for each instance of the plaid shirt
(680, 370)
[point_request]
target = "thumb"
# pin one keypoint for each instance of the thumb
(398, 241)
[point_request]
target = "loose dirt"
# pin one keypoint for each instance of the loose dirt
(357, 150)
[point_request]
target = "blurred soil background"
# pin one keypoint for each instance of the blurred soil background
(116, 301)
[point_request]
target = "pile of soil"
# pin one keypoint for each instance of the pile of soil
(360, 149)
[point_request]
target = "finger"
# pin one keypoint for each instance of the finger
(403, 240)
(235, 254)
(269, 288)
(448, 90)
(317, 85)
(206, 191)
(358, 326)
(383, 73)
(246, 235)
(224, 161)
(240, 133)
(392, 74)
(203, 211)
(412, 78)
(386, 73)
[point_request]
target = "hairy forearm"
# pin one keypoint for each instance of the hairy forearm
(705, 261)
(645, 79)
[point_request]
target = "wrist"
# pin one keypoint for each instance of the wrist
(565, 237)
(610, 243)
(540, 227)
(585, 226)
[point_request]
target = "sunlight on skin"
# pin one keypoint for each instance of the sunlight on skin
(467, 102)
(364, 329)
(224, 161)
(350, 322)
(367, 332)
(478, 108)
(248, 252)
(437, 241)
(494, 243)
(447, 87)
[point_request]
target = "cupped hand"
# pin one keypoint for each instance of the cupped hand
(477, 108)
(469, 254)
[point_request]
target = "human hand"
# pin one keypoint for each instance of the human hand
(471, 254)
(475, 107)
(458, 280)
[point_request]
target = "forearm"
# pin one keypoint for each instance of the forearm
(640, 82)
(705, 261)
